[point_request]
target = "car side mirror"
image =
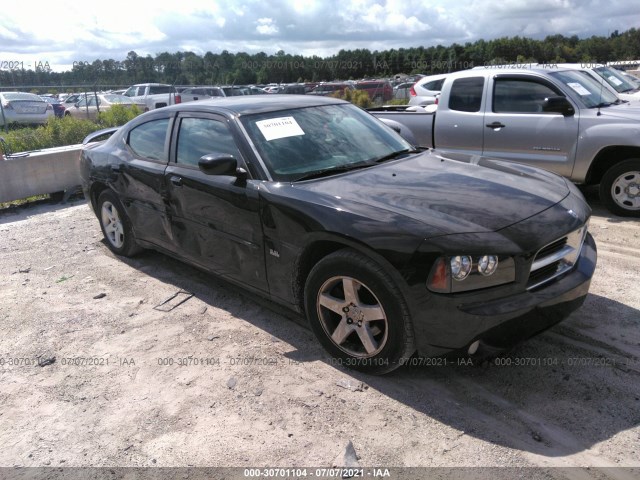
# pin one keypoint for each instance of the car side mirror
(558, 105)
(218, 164)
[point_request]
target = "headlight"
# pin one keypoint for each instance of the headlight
(487, 264)
(461, 273)
(460, 267)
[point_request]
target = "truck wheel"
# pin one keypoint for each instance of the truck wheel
(116, 226)
(357, 313)
(620, 188)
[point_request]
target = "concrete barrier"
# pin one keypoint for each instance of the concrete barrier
(40, 172)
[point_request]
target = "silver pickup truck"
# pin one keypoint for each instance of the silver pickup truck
(559, 119)
(153, 95)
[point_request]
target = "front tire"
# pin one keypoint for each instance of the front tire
(116, 226)
(620, 188)
(358, 313)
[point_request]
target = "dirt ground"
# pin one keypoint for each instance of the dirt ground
(225, 379)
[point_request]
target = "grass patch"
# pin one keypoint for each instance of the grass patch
(23, 201)
(59, 132)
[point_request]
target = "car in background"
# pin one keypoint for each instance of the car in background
(630, 78)
(625, 88)
(88, 107)
(193, 94)
(59, 109)
(378, 90)
(426, 90)
(153, 95)
(294, 89)
(24, 108)
(236, 90)
(329, 88)
(402, 91)
(71, 99)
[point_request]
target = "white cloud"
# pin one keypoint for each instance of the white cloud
(321, 27)
(266, 26)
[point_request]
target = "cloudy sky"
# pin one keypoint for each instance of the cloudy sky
(63, 32)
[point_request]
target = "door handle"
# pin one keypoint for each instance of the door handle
(495, 125)
(177, 181)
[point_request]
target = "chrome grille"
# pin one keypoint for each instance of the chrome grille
(556, 258)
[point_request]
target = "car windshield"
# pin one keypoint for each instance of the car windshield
(615, 79)
(328, 88)
(118, 99)
(586, 89)
(300, 143)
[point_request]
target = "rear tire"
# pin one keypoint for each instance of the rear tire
(358, 313)
(620, 188)
(116, 226)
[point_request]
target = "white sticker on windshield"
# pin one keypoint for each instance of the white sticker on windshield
(282, 127)
(614, 80)
(580, 90)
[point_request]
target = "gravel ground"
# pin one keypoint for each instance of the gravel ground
(217, 377)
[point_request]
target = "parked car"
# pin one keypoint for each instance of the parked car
(325, 89)
(294, 89)
(204, 93)
(153, 95)
(318, 206)
(24, 108)
(378, 90)
(402, 91)
(238, 90)
(73, 98)
(560, 118)
(625, 88)
(201, 93)
(59, 109)
(88, 107)
(426, 90)
(635, 81)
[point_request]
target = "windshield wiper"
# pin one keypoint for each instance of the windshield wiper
(333, 170)
(393, 155)
(355, 166)
(604, 104)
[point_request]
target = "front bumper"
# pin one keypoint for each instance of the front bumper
(454, 322)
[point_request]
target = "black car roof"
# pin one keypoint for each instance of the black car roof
(250, 104)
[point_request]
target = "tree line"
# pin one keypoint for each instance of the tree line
(188, 68)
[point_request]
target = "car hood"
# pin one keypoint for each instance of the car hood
(452, 194)
(628, 111)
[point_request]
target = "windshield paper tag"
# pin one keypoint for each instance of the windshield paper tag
(579, 88)
(614, 80)
(282, 127)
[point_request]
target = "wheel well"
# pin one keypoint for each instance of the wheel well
(311, 255)
(96, 189)
(607, 158)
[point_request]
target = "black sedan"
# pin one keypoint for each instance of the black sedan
(310, 201)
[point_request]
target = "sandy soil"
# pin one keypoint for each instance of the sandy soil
(225, 379)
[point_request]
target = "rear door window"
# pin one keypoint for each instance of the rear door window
(466, 94)
(148, 140)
